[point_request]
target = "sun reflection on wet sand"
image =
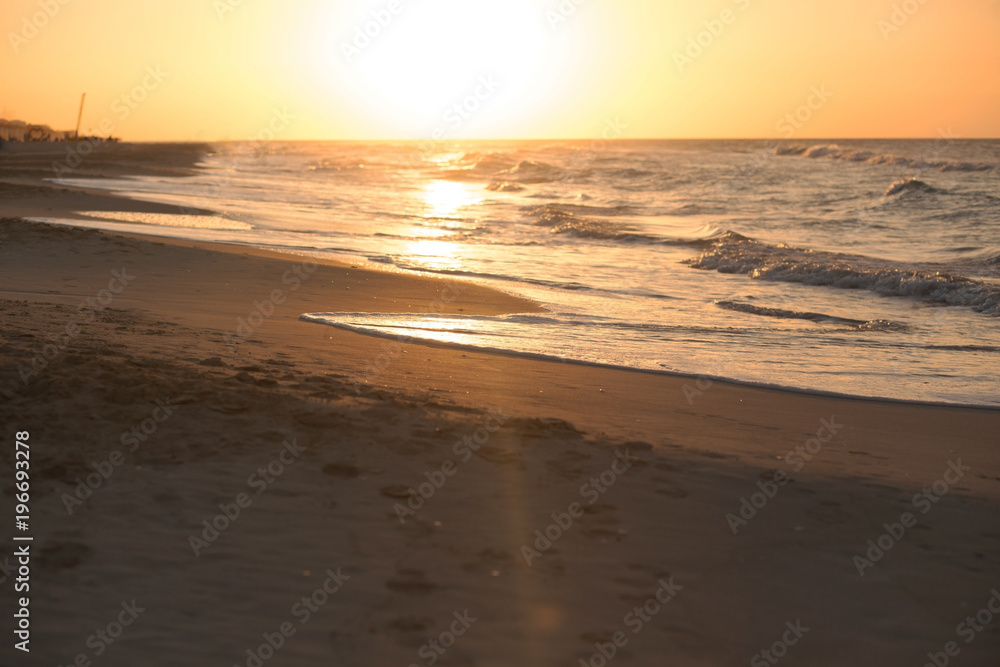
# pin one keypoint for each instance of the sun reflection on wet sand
(458, 331)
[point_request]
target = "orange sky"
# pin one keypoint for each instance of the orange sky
(242, 69)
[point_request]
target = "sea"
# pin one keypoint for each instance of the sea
(867, 268)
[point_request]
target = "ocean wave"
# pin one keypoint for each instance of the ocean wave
(964, 348)
(171, 220)
(531, 172)
(882, 325)
(859, 325)
(562, 219)
(905, 185)
(461, 175)
(734, 254)
(978, 262)
(407, 265)
(581, 209)
(835, 152)
(489, 163)
(504, 186)
(628, 173)
(330, 164)
(600, 229)
(696, 209)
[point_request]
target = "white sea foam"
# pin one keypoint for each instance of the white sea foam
(170, 220)
(835, 152)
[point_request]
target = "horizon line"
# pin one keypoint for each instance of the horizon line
(566, 139)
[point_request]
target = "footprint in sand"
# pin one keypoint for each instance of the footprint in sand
(600, 637)
(867, 454)
(501, 455)
(671, 490)
(491, 562)
(342, 470)
(604, 524)
(665, 466)
(829, 512)
(544, 429)
(318, 418)
(568, 464)
(395, 491)
(410, 624)
(62, 556)
(410, 582)
(603, 533)
(229, 406)
(637, 576)
(599, 508)
(715, 455)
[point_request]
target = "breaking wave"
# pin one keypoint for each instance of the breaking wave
(859, 325)
(762, 261)
(504, 186)
(908, 185)
(563, 219)
(835, 152)
(531, 172)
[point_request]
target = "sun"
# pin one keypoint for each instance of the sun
(450, 68)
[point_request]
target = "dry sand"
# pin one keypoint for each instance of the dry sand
(694, 449)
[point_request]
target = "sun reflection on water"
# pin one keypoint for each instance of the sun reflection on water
(444, 199)
(435, 255)
(441, 202)
(442, 330)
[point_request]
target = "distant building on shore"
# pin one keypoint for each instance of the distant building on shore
(18, 130)
(13, 130)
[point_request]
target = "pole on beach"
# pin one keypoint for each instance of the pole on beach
(79, 117)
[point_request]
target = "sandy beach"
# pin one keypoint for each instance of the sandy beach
(215, 481)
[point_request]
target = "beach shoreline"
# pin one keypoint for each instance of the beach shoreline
(121, 321)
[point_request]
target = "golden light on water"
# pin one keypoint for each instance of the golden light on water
(444, 199)
(443, 330)
(436, 232)
(444, 158)
(435, 255)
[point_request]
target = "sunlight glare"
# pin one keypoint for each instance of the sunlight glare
(438, 53)
(443, 199)
(435, 255)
